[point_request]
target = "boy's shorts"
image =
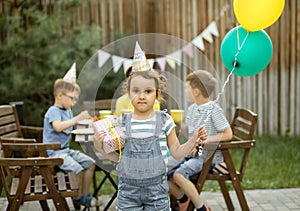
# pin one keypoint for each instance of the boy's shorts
(74, 160)
(188, 167)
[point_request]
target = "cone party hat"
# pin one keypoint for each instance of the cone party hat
(70, 76)
(140, 62)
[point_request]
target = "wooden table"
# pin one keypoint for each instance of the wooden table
(84, 136)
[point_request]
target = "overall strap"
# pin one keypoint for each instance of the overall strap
(126, 121)
(160, 122)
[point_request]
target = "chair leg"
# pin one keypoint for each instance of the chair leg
(44, 205)
(226, 195)
(173, 202)
(191, 206)
(240, 194)
(95, 188)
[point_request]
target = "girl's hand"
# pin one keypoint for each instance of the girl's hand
(98, 140)
(202, 133)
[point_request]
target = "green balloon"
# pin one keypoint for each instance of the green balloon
(254, 55)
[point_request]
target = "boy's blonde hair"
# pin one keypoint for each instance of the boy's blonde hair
(160, 81)
(202, 80)
(62, 86)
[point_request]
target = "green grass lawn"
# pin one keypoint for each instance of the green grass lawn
(273, 163)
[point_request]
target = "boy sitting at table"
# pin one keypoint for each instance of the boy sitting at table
(58, 124)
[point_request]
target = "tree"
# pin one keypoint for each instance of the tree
(39, 47)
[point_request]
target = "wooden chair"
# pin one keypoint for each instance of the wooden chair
(243, 127)
(10, 125)
(34, 178)
(93, 107)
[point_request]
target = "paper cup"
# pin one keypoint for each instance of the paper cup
(104, 113)
(177, 115)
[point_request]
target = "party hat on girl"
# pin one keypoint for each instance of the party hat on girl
(70, 76)
(140, 62)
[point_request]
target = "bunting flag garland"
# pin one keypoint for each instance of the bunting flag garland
(198, 42)
(213, 29)
(161, 61)
(188, 50)
(176, 56)
(207, 36)
(117, 62)
(171, 62)
(126, 64)
(102, 57)
(151, 62)
(173, 58)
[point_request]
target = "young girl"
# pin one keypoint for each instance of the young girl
(142, 182)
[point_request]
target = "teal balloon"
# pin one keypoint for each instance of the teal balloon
(254, 55)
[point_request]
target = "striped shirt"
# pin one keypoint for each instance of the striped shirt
(212, 117)
(146, 128)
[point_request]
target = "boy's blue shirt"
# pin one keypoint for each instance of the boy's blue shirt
(49, 134)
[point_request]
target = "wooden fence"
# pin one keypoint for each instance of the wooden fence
(274, 93)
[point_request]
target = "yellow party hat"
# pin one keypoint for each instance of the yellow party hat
(140, 62)
(70, 76)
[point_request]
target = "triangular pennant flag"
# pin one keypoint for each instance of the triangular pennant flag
(140, 62)
(127, 63)
(188, 50)
(151, 62)
(176, 57)
(117, 62)
(207, 36)
(161, 61)
(171, 62)
(198, 42)
(212, 28)
(70, 76)
(102, 57)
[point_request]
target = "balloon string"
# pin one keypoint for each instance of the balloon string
(200, 148)
(233, 68)
(237, 36)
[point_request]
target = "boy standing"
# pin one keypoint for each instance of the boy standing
(199, 85)
(58, 124)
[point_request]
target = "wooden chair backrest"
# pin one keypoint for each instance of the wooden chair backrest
(10, 125)
(93, 107)
(28, 149)
(243, 124)
(11, 140)
(9, 122)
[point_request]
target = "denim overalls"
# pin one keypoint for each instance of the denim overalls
(142, 171)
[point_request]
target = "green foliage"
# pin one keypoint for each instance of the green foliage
(39, 48)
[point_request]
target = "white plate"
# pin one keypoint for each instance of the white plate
(83, 131)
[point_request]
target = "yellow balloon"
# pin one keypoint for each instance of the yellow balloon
(256, 15)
